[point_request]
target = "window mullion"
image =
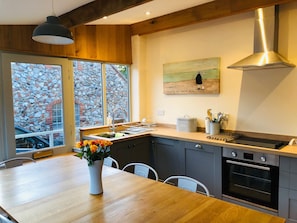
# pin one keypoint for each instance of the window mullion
(103, 67)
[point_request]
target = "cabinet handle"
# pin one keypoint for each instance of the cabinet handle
(131, 146)
(198, 146)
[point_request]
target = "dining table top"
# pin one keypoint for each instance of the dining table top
(57, 190)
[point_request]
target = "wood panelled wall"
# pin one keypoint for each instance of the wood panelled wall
(106, 43)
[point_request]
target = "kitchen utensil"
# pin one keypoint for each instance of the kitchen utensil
(209, 114)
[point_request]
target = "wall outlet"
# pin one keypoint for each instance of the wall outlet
(161, 112)
(226, 117)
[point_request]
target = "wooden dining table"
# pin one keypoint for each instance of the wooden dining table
(57, 190)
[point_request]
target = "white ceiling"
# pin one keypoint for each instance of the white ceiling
(34, 12)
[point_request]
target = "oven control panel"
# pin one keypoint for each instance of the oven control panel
(256, 157)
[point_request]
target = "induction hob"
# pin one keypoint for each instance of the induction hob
(260, 142)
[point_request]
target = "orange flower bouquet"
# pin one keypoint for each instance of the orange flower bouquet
(93, 150)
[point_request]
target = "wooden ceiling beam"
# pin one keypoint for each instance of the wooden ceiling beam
(200, 13)
(96, 10)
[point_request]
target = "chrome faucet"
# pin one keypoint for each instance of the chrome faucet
(113, 127)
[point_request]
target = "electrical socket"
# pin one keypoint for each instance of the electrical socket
(160, 112)
(226, 116)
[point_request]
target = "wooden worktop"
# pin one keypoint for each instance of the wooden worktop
(199, 137)
(290, 151)
(56, 190)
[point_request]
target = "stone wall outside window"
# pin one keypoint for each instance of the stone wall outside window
(34, 98)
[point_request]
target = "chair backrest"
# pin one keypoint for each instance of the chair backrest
(142, 170)
(188, 183)
(109, 161)
(13, 162)
(5, 217)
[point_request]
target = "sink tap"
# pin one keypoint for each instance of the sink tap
(113, 127)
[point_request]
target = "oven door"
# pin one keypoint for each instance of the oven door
(251, 182)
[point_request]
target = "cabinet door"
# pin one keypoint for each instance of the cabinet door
(140, 150)
(288, 189)
(288, 173)
(204, 163)
(167, 157)
(132, 150)
(288, 204)
(121, 152)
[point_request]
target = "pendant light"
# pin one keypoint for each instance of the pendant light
(52, 31)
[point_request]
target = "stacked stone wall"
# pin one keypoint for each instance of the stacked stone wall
(37, 87)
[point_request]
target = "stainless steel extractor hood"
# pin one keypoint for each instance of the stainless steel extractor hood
(265, 43)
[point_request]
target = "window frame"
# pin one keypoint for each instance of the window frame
(104, 92)
(7, 131)
(7, 118)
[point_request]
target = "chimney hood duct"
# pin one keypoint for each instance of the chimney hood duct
(265, 54)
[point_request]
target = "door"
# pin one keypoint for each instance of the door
(34, 91)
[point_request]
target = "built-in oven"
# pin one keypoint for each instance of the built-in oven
(251, 177)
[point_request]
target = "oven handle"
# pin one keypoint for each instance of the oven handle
(248, 165)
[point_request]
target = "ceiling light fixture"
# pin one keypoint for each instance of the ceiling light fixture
(52, 31)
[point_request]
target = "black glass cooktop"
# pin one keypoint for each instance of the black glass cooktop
(267, 143)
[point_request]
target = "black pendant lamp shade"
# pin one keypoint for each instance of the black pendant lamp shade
(52, 32)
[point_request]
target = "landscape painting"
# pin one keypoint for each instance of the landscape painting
(200, 76)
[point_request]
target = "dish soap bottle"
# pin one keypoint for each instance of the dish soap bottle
(109, 120)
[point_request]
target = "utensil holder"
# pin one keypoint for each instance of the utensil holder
(214, 128)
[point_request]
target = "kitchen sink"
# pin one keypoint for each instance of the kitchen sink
(127, 131)
(111, 134)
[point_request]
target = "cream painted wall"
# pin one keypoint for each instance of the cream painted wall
(256, 101)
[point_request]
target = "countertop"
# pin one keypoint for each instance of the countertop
(201, 137)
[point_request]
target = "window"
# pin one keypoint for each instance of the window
(77, 114)
(117, 92)
(88, 93)
(57, 116)
(44, 99)
(33, 89)
(100, 89)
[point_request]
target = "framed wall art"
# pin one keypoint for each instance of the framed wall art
(200, 76)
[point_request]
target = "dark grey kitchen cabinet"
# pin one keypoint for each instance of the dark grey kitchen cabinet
(288, 189)
(204, 163)
(132, 150)
(167, 157)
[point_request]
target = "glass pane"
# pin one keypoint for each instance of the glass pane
(117, 92)
(37, 99)
(88, 94)
(57, 116)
